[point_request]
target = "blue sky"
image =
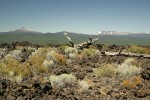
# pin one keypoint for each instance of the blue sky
(81, 16)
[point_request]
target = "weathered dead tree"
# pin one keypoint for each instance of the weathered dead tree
(83, 44)
(91, 41)
(129, 54)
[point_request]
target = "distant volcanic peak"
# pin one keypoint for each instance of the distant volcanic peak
(24, 29)
(117, 33)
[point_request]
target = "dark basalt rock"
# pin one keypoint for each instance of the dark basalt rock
(142, 93)
(24, 43)
(146, 74)
(99, 46)
(25, 54)
(4, 83)
(3, 45)
(36, 85)
(47, 88)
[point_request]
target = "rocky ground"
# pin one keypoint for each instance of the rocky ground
(101, 88)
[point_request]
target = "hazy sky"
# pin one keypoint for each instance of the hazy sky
(82, 16)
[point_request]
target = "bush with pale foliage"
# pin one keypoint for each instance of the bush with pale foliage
(70, 50)
(128, 68)
(51, 55)
(48, 64)
(85, 84)
(62, 80)
(16, 54)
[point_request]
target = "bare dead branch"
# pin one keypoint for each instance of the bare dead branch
(125, 54)
(69, 39)
(83, 44)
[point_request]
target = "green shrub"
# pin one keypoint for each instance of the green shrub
(105, 70)
(139, 50)
(91, 52)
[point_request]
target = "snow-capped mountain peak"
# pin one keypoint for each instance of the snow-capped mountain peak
(23, 29)
(117, 33)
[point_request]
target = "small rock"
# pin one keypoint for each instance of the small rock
(141, 93)
(116, 90)
(47, 87)
(115, 95)
(11, 97)
(146, 74)
(37, 85)
(4, 83)
(20, 98)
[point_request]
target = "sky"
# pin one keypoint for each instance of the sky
(81, 16)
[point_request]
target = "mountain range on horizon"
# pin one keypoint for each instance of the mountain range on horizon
(35, 37)
(25, 30)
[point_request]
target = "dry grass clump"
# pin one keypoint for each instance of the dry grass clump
(132, 82)
(85, 85)
(60, 58)
(10, 64)
(139, 50)
(104, 90)
(36, 61)
(55, 57)
(128, 68)
(37, 64)
(62, 80)
(11, 69)
(105, 70)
